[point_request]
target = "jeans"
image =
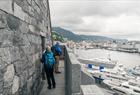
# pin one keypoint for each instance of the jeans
(50, 75)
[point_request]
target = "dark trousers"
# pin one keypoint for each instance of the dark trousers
(50, 75)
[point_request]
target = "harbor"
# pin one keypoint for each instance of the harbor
(121, 78)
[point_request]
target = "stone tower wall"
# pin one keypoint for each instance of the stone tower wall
(22, 25)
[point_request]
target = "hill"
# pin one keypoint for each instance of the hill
(71, 36)
(57, 37)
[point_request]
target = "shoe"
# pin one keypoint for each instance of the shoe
(57, 72)
(49, 87)
(54, 86)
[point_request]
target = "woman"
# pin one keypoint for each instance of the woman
(49, 61)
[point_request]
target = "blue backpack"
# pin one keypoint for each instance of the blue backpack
(57, 50)
(48, 59)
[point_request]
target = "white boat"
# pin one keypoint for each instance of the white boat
(106, 74)
(136, 70)
(117, 73)
(112, 82)
(131, 87)
(106, 62)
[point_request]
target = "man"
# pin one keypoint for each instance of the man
(49, 61)
(57, 53)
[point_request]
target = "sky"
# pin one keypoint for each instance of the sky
(111, 18)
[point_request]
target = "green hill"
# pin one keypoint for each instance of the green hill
(57, 37)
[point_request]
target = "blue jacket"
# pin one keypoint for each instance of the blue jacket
(48, 59)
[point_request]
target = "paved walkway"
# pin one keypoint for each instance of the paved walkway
(60, 87)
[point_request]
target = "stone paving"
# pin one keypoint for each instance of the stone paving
(60, 84)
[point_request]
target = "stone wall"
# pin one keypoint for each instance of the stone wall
(86, 78)
(22, 24)
(72, 73)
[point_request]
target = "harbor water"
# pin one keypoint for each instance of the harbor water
(129, 60)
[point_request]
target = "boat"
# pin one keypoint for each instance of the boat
(110, 83)
(136, 70)
(131, 87)
(117, 73)
(106, 62)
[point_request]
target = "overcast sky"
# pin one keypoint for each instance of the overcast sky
(113, 18)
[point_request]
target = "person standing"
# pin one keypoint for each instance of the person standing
(49, 62)
(57, 53)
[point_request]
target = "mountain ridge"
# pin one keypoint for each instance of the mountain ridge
(75, 37)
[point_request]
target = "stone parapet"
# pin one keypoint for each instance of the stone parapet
(72, 73)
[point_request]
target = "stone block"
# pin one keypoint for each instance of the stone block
(20, 39)
(18, 12)
(91, 90)
(5, 56)
(21, 66)
(15, 86)
(31, 28)
(6, 5)
(9, 75)
(13, 22)
(6, 37)
(3, 23)
(24, 28)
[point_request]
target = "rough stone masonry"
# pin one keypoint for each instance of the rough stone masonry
(23, 23)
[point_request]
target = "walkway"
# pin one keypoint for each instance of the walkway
(60, 87)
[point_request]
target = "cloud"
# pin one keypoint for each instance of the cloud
(97, 17)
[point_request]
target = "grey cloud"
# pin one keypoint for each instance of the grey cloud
(105, 8)
(70, 13)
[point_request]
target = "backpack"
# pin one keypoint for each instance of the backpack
(57, 50)
(49, 59)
